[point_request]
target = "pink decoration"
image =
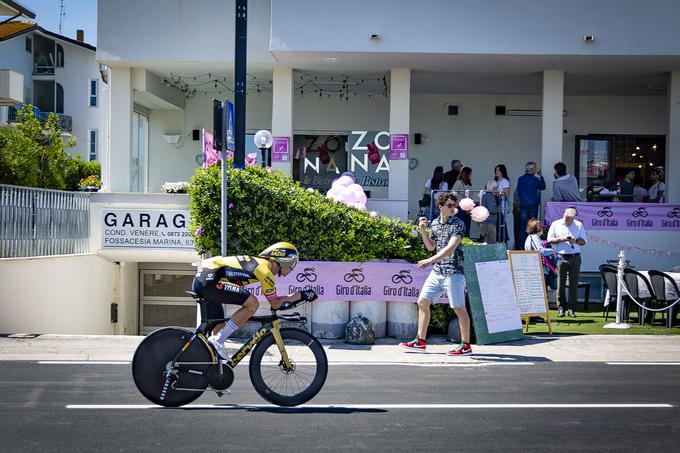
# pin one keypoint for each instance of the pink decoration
(466, 204)
(479, 214)
(251, 159)
(373, 214)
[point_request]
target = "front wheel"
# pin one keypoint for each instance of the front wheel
(292, 387)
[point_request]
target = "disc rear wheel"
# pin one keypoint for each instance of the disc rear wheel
(154, 375)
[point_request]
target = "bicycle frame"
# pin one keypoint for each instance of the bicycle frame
(270, 324)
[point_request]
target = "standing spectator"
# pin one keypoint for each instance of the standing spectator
(501, 177)
(463, 184)
(528, 190)
(567, 236)
(432, 185)
(451, 175)
(491, 201)
(662, 174)
(445, 235)
(565, 187)
(639, 192)
(657, 189)
(534, 242)
(626, 184)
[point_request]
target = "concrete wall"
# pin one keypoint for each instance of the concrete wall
(180, 30)
(622, 27)
(13, 56)
(79, 68)
(65, 294)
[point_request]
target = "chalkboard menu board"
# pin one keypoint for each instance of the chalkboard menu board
(485, 295)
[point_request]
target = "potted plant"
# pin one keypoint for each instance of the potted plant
(90, 184)
(175, 187)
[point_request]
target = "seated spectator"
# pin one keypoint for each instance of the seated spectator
(534, 242)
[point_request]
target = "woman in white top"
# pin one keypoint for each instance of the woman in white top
(464, 182)
(501, 177)
(432, 186)
(534, 242)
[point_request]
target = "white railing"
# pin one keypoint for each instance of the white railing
(41, 222)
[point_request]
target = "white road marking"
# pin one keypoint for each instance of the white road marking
(645, 363)
(81, 362)
(425, 365)
(376, 406)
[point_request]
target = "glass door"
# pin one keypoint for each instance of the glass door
(593, 163)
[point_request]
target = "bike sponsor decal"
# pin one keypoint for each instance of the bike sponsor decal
(247, 347)
(620, 216)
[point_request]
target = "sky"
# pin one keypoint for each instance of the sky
(80, 14)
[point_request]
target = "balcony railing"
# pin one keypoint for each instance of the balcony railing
(65, 121)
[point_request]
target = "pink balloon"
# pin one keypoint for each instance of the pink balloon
(344, 181)
(466, 204)
(479, 214)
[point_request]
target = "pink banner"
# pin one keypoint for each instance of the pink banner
(620, 216)
(397, 282)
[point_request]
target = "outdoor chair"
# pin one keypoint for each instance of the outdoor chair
(660, 280)
(632, 279)
(609, 274)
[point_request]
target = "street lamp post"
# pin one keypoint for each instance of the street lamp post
(263, 139)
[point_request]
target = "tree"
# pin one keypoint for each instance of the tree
(34, 155)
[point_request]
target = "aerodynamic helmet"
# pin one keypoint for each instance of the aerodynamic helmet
(283, 253)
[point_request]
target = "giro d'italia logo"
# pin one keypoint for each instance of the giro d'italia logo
(308, 274)
(403, 277)
(355, 275)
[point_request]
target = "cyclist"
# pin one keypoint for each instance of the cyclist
(221, 280)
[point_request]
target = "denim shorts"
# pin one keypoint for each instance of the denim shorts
(454, 285)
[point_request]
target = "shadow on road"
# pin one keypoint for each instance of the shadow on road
(283, 410)
(507, 358)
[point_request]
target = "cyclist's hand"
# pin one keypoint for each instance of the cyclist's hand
(309, 295)
(286, 306)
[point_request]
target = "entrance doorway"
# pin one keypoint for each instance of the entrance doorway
(163, 301)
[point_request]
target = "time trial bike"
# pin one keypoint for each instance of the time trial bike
(173, 366)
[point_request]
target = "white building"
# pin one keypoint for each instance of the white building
(490, 82)
(60, 75)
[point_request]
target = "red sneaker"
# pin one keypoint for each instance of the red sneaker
(415, 345)
(461, 349)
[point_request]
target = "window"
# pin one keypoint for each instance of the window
(603, 161)
(93, 144)
(59, 107)
(29, 45)
(60, 56)
(93, 92)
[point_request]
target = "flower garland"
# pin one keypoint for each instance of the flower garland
(634, 248)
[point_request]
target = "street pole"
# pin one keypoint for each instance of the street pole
(619, 324)
(240, 42)
(223, 192)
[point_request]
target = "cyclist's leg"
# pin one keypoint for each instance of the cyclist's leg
(235, 295)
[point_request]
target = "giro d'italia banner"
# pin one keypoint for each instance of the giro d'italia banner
(620, 216)
(398, 282)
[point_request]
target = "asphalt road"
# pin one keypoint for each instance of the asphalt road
(378, 408)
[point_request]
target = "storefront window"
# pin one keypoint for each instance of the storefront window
(609, 167)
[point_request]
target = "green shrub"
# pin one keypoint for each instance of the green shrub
(267, 207)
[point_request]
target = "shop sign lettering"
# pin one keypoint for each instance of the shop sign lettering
(146, 229)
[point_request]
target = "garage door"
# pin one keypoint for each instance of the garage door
(163, 301)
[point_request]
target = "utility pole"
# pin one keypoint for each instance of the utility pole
(241, 47)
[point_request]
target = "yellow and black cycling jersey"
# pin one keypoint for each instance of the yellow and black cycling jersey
(241, 270)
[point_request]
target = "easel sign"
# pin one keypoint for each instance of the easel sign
(529, 281)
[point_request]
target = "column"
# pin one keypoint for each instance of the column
(672, 167)
(552, 127)
(117, 173)
(282, 112)
(400, 115)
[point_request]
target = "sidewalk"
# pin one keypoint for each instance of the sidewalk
(533, 348)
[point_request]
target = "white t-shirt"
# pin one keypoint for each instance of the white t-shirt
(654, 190)
(503, 184)
(442, 186)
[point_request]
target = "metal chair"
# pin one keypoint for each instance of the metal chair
(632, 279)
(609, 274)
(660, 281)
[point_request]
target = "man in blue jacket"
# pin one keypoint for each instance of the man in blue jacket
(528, 192)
